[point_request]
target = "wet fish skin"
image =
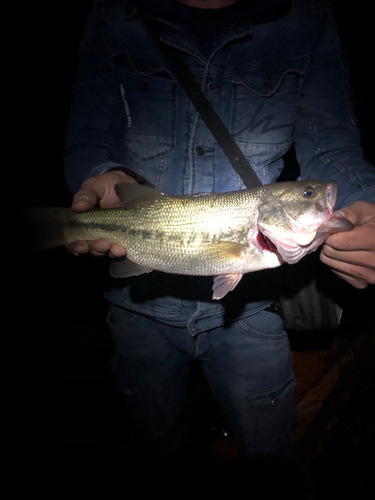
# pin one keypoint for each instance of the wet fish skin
(216, 234)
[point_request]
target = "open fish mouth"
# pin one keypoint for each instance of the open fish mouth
(264, 244)
(302, 235)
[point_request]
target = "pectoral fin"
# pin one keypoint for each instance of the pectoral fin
(227, 250)
(225, 283)
(124, 268)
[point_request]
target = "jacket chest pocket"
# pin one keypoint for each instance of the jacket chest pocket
(149, 100)
(264, 104)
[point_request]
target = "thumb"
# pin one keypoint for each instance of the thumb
(92, 190)
(84, 200)
(100, 190)
(359, 213)
(350, 215)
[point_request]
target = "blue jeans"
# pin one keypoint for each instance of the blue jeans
(248, 367)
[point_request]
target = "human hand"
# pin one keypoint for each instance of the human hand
(99, 191)
(351, 255)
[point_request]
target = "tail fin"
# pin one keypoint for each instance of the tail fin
(38, 229)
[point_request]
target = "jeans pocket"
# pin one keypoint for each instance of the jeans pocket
(274, 416)
(119, 318)
(264, 325)
(273, 398)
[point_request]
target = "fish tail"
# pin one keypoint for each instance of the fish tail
(39, 229)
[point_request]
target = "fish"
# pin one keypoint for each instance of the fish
(223, 235)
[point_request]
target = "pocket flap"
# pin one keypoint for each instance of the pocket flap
(143, 67)
(272, 398)
(267, 81)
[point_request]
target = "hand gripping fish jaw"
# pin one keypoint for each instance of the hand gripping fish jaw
(299, 227)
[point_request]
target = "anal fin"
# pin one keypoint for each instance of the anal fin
(124, 268)
(224, 283)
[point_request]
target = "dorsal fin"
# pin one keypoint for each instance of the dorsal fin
(130, 194)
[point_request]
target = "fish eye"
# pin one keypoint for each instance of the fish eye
(309, 192)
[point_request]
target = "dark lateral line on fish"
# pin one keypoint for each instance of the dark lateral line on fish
(147, 235)
(93, 226)
(119, 228)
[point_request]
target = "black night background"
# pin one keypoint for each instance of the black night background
(60, 347)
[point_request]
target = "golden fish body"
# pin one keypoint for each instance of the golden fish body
(223, 235)
(200, 235)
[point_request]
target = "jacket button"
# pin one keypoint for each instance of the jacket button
(199, 150)
(142, 85)
(275, 401)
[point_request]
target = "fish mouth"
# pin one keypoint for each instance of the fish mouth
(292, 248)
(287, 250)
(263, 243)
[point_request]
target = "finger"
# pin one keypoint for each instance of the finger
(360, 274)
(84, 200)
(359, 238)
(91, 192)
(359, 258)
(99, 190)
(78, 247)
(117, 251)
(359, 213)
(356, 282)
(100, 247)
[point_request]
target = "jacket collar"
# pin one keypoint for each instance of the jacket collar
(178, 32)
(254, 11)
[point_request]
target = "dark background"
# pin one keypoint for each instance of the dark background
(60, 348)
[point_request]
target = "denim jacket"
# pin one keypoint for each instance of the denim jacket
(276, 77)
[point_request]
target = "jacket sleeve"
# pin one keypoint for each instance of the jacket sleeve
(96, 97)
(326, 136)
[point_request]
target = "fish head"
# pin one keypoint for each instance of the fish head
(296, 218)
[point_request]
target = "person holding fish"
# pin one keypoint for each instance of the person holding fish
(273, 71)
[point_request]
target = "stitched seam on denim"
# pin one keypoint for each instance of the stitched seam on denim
(183, 46)
(260, 335)
(151, 71)
(126, 106)
(135, 318)
(354, 197)
(159, 172)
(173, 137)
(287, 72)
(203, 87)
(191, 149)
(191, 155)
(144, 309)
(323, 156)
(287, 383)
(263, 146)
(295, 62)
(348, 101)
(150, 158)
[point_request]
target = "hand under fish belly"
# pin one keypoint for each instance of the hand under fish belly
(224, 235)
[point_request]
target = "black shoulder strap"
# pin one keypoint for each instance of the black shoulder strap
(210, 117)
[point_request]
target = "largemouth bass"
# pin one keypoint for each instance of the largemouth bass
(223, 235)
